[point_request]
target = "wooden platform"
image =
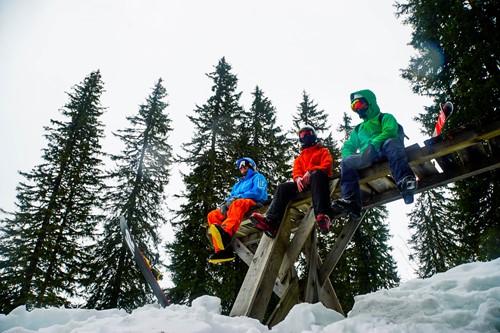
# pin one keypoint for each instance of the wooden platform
(464, 153)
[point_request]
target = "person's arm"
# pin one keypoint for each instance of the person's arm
(351, 146)
(258, 191)
(389, 130)
(326, 161)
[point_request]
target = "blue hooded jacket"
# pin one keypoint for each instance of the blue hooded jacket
(253, 186)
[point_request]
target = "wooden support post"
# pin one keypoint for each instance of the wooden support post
(290, 298)
(311, 251)
(255, 292)
(338, 248)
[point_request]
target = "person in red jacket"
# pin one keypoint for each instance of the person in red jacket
(311, 170)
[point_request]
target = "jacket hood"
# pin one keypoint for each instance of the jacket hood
(373, 109)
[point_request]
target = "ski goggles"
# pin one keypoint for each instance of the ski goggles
(305, 133)
(244, 164)
(359, 104)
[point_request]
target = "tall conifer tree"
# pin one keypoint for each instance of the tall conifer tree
(261, 139)
(137, 193)
(309, 114)
(211, 156)
(434, 237)
(43, 245)
(444, 69)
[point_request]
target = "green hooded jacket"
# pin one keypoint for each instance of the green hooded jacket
(370, 131)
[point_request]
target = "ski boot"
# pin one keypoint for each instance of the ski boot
(264, 224)
(221, 256)
(346, 207)
(221, 237)
(408, 186)
(323, 223)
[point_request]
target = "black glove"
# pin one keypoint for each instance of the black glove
(369, 154)
(225, 206)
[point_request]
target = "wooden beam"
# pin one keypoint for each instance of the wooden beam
(299, 239)
(338, 248)
(454, 175)
(311, 292)
(290, 298)
(255, 292)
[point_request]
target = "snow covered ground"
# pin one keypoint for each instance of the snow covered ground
(464, 299)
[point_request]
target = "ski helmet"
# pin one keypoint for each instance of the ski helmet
(307, 137)
(246, 161)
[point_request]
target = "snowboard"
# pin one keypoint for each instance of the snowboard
(143, 263)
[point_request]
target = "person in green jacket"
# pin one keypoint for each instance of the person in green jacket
(376, 137)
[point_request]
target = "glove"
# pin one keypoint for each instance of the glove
(300, 184)
(369, 154)
(225, 206)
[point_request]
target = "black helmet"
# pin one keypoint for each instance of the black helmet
(307, 137)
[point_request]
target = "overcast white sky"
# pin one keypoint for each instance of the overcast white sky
(326, 48)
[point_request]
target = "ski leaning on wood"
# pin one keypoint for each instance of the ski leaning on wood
(151, 274)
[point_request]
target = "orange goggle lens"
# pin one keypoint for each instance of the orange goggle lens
(359, 104)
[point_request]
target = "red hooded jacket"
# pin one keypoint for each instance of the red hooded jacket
(313, 158)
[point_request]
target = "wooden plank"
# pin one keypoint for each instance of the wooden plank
(338, 249)
(311, 252)
(296, 245)
(454, 175)
(255, 292)
(242, 251)
(328, 297)
(290, 298)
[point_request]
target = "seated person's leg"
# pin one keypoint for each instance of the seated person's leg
(270, 223)
(235, 214)
(350, 203)
(400, 169)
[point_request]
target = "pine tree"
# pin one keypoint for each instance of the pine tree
(477, 217)
(345, 127)
(309, 114)
(434, 239)
(458, 59)
(43, 246)
(137, 193)
(211, 156)
(265, 142)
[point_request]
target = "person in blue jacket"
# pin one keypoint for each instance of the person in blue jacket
(250, 189)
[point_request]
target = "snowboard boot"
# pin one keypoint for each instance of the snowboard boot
(346, 207)
(221, 237)
(408, 186)
(323, 223)
(269, 227)
(221, 256)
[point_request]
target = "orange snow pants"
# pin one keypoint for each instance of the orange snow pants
(232, 222)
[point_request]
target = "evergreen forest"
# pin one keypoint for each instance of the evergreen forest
(62, 246)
